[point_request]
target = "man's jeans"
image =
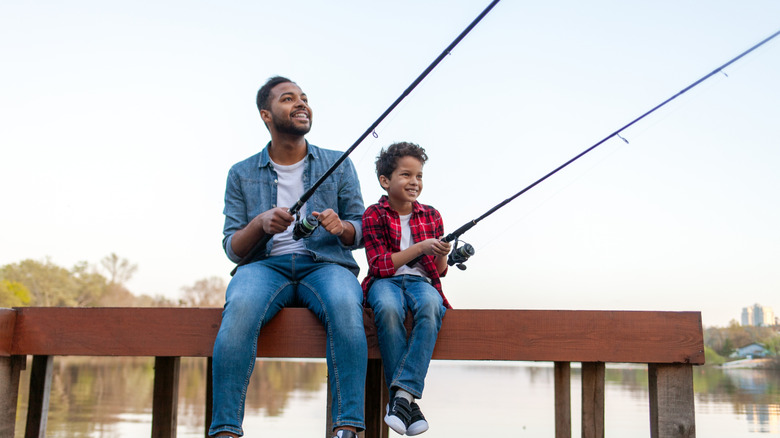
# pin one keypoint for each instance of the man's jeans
(406, 361)
(255, 294)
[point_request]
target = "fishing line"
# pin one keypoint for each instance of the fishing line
(261, 244)
(525, 215)
(460, 254)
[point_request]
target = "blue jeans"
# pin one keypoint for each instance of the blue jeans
(255, 294)
(406, 360)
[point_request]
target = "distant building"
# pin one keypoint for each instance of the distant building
(751, 350)
(747, 316)
(758, 316)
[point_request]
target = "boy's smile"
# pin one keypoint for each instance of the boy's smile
(404, 185)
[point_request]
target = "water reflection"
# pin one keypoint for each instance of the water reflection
(753, 395)
(112, 397)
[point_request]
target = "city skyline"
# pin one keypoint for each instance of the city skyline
(758, 315)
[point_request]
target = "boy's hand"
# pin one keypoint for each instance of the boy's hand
(435, 247)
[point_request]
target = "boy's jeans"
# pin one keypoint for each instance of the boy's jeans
(406, 361)
(255, 294)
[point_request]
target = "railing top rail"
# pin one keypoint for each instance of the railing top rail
(466, 334)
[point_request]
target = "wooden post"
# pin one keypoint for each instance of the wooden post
(562, 400)
(593, 399)
(40, 390)
(328, 411)
(672, 412)
(10, 369)
(377, 396)
(166, 396)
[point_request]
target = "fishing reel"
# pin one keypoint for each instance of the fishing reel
(305, 227)
(459, 255)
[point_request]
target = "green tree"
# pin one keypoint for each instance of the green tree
(49, 284)
(88, 286)
(13, 294)
(724, 341)
(52, 285)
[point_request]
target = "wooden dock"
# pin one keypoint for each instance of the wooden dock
(670, 343)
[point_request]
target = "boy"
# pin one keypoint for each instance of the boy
(405, 261)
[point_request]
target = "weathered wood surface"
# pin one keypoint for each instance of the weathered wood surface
(10, 370)
(7, 324)
(515, 335)
(165, 400)
(38, 399)
(672, 413)
(593, 375)
(562, 375)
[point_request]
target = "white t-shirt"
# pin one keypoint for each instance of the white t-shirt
(289, 189)
(406, 242)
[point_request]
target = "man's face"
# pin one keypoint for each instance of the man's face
(290, 112)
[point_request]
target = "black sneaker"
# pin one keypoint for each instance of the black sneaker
(345, 434)
(417, 423)
(399, 413)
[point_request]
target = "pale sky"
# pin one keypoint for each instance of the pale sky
(119, 122)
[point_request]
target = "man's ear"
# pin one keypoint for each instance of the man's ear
(266, 116)
(384, 182)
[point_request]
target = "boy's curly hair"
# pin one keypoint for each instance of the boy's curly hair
(387, 160)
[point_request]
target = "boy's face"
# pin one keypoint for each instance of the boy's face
(405, 184)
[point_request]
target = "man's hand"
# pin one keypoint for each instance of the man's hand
(329, 220)
(275, 220)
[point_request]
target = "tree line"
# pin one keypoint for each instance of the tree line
(43, 283)
(720, 342)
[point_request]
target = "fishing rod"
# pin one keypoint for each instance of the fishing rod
(306, 227)
(459, 255)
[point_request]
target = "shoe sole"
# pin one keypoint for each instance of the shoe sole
(417, 428)
(396, 424)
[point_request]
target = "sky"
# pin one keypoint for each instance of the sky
(119, 122)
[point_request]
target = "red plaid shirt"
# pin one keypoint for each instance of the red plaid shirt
(382, 236)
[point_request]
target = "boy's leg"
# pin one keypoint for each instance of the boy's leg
(405, 368)
(335, 296)
(387, 300)
(426, 305)
(255, 294)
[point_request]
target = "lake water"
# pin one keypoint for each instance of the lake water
(112, 398)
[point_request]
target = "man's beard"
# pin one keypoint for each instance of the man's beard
(288, 127)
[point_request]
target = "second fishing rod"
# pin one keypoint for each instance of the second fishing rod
(304, 227)
(460, 254)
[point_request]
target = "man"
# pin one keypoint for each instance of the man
(318, 272)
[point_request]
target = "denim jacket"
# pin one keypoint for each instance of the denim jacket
(251, 190)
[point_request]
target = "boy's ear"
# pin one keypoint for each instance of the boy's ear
(384, 182)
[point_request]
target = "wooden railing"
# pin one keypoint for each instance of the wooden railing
(670, 343)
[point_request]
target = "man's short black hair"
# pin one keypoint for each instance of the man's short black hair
(264, 93)
(387, 160)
